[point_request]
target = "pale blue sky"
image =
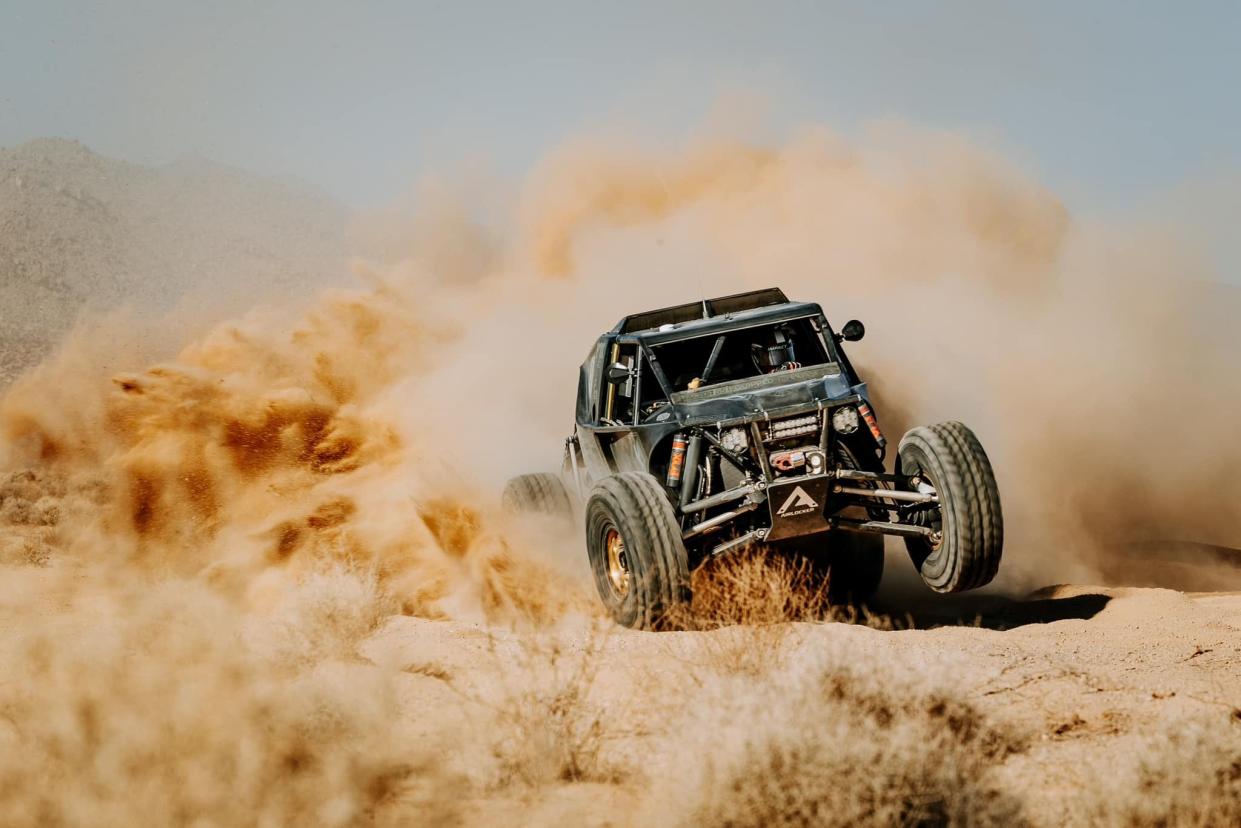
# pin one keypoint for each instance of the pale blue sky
(1108, 102)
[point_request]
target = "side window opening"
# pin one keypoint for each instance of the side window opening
(652, 394)
(589, 399)
(621, 395)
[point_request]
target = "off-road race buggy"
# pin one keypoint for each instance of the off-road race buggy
(705, 428)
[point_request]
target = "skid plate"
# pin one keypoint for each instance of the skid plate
(796, 505)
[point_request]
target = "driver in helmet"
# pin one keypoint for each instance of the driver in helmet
(774, 352)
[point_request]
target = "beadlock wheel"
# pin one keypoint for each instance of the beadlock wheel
(638, 559)
(618, 565)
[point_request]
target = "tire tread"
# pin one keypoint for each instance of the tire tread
(969, 556)
(658, 561)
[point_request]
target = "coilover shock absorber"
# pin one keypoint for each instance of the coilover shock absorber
(676, 461)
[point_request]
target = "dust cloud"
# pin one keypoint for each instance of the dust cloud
(211, 536)
(1080, 350)
(377, 428)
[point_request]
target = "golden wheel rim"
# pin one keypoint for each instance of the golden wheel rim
(618, 564)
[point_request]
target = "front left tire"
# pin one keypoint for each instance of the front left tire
(640, 565)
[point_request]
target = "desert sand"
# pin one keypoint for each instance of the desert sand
(1092, 678)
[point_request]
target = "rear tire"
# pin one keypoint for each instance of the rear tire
(540, 493)
(639, 561)
(970, 540)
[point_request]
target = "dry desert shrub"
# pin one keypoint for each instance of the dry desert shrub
(148, 704)
(858, 746)
(755, 588)
(1189, 776)
(29, 498)
(758, 587)
(323, 617)
(753, 596)
(757, 595)
(543, 723)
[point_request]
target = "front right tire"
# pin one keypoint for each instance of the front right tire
(639, 561)
(964, 551)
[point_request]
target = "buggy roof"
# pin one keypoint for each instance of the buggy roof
(709, 315)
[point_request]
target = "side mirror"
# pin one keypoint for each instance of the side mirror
(852, 331)
(618, 372)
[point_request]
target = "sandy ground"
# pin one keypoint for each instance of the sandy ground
(1089, 677)
(1088, 672)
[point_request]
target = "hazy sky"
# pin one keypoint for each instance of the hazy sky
(1105, 101)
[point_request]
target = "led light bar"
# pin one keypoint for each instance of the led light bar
(792, 427)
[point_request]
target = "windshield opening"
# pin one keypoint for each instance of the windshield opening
(739, 354)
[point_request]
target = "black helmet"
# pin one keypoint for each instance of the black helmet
(772, 352)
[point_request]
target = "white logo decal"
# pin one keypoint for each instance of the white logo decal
(799, 503)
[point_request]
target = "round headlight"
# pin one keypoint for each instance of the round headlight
(815, 462)
(845, 419)
(734, 440)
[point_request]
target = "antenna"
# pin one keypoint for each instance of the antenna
(706, 312)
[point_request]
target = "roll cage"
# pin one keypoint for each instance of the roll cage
(602, 403)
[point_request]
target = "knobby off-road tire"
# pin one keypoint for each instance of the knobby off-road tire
(639, 561)
(971, 527)
(540, 493)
